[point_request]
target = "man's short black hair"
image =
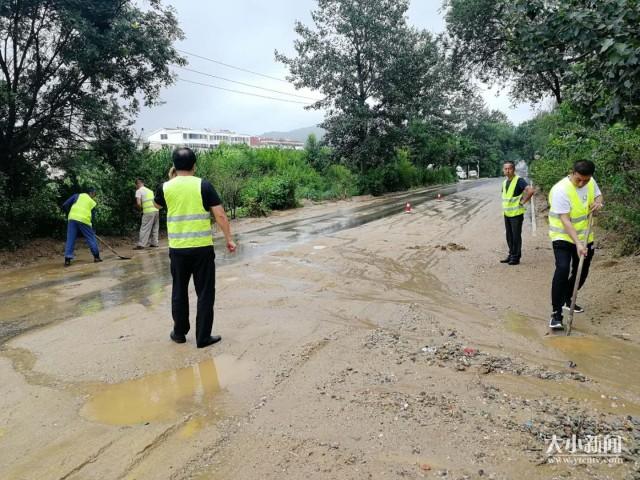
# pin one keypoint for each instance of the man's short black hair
(510, 162)
(91, 190)
(584, 167)
(139, 180)
(184, 158)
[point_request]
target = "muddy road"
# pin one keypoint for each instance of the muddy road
(358, 342)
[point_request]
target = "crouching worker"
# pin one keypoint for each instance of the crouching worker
(81, 217)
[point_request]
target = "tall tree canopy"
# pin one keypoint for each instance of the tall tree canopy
(585, 51)
(375, 73)
(69, 69)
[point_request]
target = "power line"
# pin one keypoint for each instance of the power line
(243, 93)
(231, 66)
(248, 84)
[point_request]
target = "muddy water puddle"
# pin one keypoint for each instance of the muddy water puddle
(523, 326)
(166, 396)
(609, 361)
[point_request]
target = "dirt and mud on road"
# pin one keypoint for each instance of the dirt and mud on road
(356, 344)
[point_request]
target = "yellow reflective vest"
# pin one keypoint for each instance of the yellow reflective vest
(81, 210)
(511, 205)
(579, 213)
(188, 223)
(147, 201)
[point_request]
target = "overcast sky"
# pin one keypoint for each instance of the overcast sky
(245, 33)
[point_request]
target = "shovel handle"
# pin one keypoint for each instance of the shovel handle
(576, 284)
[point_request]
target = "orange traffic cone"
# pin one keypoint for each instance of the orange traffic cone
(407, 208)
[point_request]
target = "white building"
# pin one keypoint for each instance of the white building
(264, 142)
(195, 139)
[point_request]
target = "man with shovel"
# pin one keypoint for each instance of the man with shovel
(81, 216)
(572, 201)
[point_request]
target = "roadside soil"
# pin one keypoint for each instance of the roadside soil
(397, 349)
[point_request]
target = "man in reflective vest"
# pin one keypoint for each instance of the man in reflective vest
(571, 200)
(81, 218)
(190, 201)
(150, 224)
(515, 194)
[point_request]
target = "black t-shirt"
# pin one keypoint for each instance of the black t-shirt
(520, 186)
(210, 197)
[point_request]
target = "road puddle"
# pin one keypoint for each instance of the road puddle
(164, 396)
(522, 325)
(606, 359)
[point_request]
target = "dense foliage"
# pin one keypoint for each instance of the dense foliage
(389, 87)
(562, 138)
(587, 52)
(249, 181)
(72, 72)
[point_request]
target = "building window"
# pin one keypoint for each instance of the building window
(184, 136)
(163, 136)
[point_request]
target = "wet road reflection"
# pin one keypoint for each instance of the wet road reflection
(159, 397)
(41, 295)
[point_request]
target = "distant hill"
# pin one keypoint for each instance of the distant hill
(299, 134)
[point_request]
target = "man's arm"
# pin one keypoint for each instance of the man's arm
(158, 200)
(223, 223)
(66, 206)
(529, 191)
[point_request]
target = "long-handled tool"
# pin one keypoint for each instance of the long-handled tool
(112, 249)
(578, 275)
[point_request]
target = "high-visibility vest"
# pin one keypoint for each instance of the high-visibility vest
(188, 223)
(81, 210)
(579, 213)
(511, 205)
(147, 201)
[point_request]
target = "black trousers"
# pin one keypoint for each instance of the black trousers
(513, 228)
(564, 278)
(199, 262)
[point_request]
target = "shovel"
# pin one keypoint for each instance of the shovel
(578, 274)
(112, 249)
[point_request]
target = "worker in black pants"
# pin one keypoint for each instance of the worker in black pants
(515, 194)
(190, 202)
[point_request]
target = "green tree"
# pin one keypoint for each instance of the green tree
(502, 41)
(69, 70)
(605, 83)
(316, 154)
(587, 52)
(489, 142)
(375, 73)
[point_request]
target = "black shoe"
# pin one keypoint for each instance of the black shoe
(506, 260)
(154, 246)
(555, 322)
(97, 259)
(138, 247)
(576, 308)
(67, 262)
(177, 338)
(514, 261)
(210, 341)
